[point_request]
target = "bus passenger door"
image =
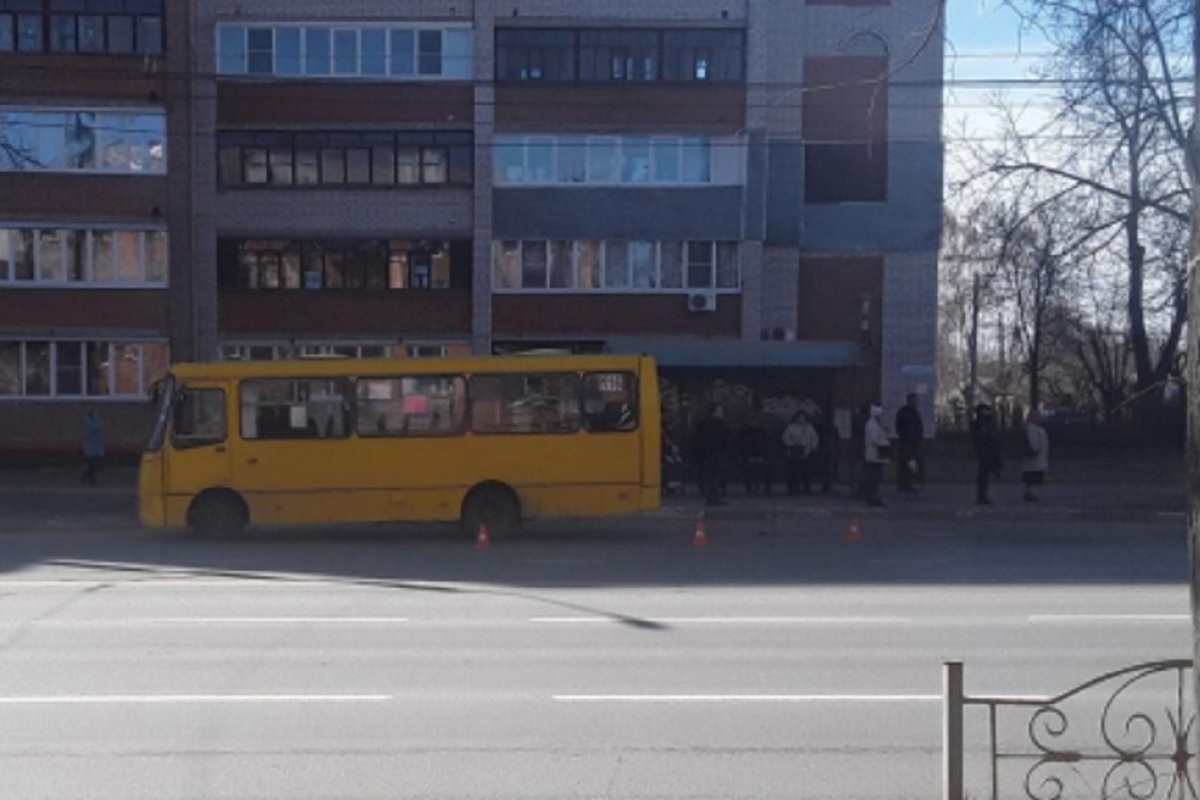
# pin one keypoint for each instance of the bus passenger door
(199, 449)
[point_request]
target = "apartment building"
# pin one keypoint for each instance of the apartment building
(93, 271)
(748, 189)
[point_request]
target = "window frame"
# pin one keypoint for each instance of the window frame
(471, 395)
(402, 53)
(348, 408)
(84, 247)
(635, 403)
(520, 152)
(193, 442)
(436, 153)
(110, 130)
(593, 49)
(456, 429)
(656, 273)
(50, 24)
(360, 265)
(53, 393)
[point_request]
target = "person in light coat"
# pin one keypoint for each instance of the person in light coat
(875, 456)
(1035, 460)
(800, 442)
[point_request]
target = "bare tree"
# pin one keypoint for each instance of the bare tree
(1117, 145)
(967, 288)
(1193, 375)
(1034, 266)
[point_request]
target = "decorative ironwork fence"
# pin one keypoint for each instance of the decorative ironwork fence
(1123, 735)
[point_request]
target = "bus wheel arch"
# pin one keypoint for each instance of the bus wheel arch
(218, 512)
(494, 504)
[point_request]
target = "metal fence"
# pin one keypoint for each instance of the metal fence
(1123, 735)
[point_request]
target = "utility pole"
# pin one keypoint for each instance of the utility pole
(1193, 373)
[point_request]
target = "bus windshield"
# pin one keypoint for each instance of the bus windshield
(164, 393)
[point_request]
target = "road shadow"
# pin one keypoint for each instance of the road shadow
(616, 554)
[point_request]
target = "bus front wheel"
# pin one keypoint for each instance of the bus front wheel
(496, 507)
(217, 514)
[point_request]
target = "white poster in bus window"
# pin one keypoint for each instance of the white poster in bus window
(298, 417)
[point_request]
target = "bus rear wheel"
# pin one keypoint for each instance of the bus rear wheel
(217, 514)
(494, 506)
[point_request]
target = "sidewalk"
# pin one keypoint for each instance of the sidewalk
(953, 501)
(55, 497)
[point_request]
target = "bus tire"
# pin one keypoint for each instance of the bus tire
(494, 505)
(218, 513)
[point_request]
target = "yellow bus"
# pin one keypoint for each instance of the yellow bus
(490, 441)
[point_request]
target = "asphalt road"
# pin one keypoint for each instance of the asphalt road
(593, 662)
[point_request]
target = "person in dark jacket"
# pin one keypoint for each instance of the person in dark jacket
(752, 448)
(910, 431)
(987, 451)
(710, 442)
(827, 452)
(93, 448)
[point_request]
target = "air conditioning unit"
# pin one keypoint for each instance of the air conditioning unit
(702, 302)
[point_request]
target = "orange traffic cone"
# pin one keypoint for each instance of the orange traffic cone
(853, 534)
(700, 538)
(483, 542)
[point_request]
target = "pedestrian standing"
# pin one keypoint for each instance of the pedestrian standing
(875, 456)
(709, 445)
(753, 447)
(910, 431)
(800, 442)
(1035, 460)
(987, 451)
(93, 449)
(829, 442)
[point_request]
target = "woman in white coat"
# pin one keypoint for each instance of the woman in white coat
(1035, 459)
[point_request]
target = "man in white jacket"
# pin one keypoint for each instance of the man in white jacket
(876, 454)
(800, 441)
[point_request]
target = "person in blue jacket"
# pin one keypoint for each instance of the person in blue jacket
(93, 449)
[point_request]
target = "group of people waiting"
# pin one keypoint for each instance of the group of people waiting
(810, 445)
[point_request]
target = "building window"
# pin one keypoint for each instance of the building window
(710, 56)
(83, 140)
(615, 266)
(317, 265)
(77, 369)
(624, 55)
(846, 173)
(535, 55)
(375, 52)
(82, 257)
(234, 351)
(344, 158)
(620, 55)
(544, 159)
(112, 27)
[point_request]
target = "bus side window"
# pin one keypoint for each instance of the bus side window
(610, 402)
(199, 418)
(295, 409)
(526, 403)
(425, 405)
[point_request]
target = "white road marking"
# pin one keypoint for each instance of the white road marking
(726, 620)
(214, 621)
(152, 699)
(747, 698)
(1069, 618)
